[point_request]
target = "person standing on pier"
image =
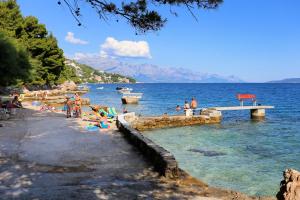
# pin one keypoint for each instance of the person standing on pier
(186, 105)
(194, 103)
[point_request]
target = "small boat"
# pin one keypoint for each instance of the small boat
(131, 98)
(83, 88)
(99, 88)
(123, 89)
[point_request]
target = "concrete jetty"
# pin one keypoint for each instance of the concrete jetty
(168, 121)
(211, 115)
(256, 112)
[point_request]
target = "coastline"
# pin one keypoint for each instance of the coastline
(59, 150)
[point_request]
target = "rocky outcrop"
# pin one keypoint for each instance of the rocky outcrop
(68, 85)
(290, 186)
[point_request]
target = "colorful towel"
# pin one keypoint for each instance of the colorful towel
(91, 127)
(112, 111)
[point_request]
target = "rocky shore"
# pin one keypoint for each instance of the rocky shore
(57, 95)
(290, 185)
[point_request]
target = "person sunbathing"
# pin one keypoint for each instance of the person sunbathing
(103, 123)
(93, 116)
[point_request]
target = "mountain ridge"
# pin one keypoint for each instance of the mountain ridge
(286, 80)
(149, 73)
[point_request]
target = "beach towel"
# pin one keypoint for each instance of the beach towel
(106, 113)
(112, 111)
(103, 125)
(91, 127)
(36, 103)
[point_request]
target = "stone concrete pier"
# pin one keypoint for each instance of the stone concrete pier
(256, 112)
(167, 121)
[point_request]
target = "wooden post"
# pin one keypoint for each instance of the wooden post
(257, 114)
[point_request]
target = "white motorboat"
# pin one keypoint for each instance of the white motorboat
(124, 90)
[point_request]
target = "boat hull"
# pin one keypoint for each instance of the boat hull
(130, 100)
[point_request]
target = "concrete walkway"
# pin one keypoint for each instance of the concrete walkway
(46, 156)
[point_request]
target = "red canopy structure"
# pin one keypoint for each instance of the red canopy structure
(242, 97)
(246, 96)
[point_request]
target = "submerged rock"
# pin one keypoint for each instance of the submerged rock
(207, 152)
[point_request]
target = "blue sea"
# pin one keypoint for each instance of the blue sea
(238, 154)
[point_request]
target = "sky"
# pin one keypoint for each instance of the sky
(254, 40)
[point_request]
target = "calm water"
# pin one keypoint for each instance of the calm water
(237, 154)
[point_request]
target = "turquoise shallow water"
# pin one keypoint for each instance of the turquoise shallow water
(237, 154)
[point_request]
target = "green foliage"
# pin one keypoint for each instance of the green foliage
(46, 58)
(88, 74)
(30, 55)
(35, 74)
(44, 48)
(131, 80)
(14, 62)
(69, 74)
(11, 18)
(143, 15)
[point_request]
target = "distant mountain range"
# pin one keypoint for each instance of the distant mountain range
(148, 73)
(288, 80)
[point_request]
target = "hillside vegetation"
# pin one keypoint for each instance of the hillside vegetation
(86, 74)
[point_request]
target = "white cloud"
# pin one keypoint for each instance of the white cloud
(70, 38)
(114, 48)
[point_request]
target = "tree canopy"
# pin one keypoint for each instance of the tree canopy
(29, 53)
(143, 15)
(14, 62)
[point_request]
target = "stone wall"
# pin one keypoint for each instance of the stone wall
(290, 186)
(163, 161)
(148, 123)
